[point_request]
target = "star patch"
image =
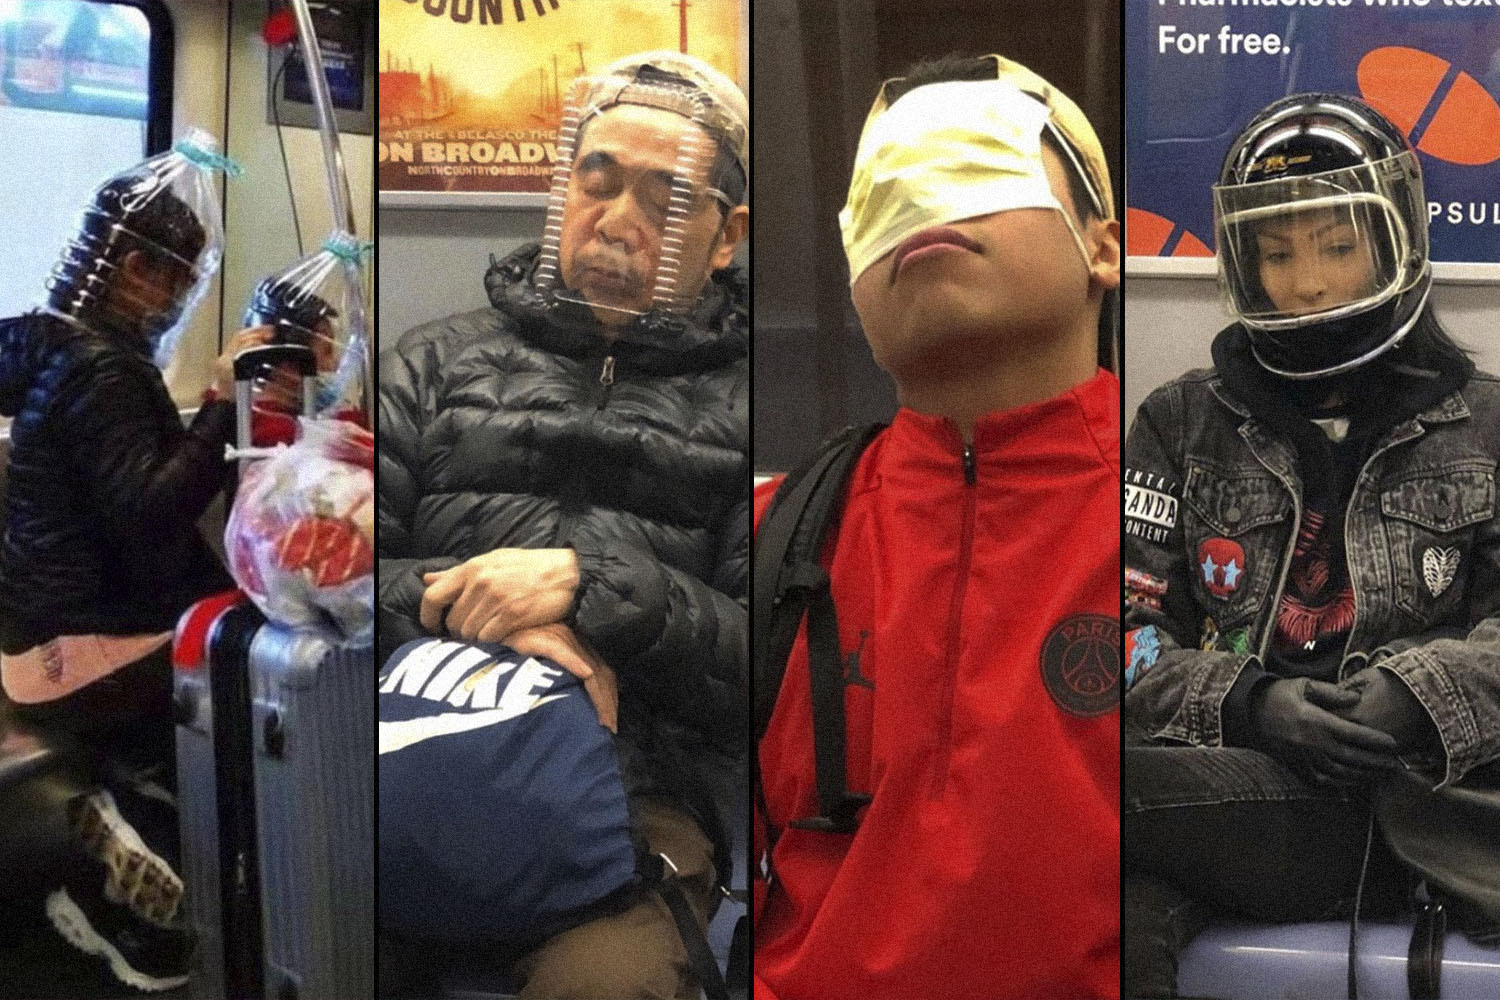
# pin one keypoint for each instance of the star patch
(1222, 563)
(1439, 567)
(1080, 663)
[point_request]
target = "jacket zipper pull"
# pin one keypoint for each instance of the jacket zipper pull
(606, 379)
(971, 475)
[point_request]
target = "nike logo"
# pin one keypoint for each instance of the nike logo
(400, 735)
(463, 676)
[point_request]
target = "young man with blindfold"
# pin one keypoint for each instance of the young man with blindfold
(975, 573)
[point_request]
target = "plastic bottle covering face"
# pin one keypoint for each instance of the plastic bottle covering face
(631, 198)
(318, 302)
(148, 245)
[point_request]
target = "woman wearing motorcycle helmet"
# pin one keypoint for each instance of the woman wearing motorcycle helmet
(1312, 550)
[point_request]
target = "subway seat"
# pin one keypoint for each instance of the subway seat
(1310, 962)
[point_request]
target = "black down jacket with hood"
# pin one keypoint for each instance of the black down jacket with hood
(500, 429)
(105, 487)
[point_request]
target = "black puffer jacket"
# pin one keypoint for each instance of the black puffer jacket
(104, 488)
(498, 430)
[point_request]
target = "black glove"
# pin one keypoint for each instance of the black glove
(1294, 722)
(1387, 704)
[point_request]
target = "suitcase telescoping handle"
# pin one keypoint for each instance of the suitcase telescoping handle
(261, 358)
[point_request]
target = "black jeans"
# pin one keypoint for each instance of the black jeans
(124, 722)
(1227, 829)
(125, 714)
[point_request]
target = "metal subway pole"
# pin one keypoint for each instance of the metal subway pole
(338, 177)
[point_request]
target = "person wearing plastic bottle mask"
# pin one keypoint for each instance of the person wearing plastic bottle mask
(595, 422)
(150, 288)
(647, 218)
(104, 553)
(979, 246)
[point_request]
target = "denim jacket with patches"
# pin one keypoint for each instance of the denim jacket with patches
(1422, 534)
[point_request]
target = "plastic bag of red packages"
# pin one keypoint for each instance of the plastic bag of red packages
(301, 536)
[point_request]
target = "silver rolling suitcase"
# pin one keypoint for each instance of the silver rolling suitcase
(313, 720)
(216, 789)
(216, 795)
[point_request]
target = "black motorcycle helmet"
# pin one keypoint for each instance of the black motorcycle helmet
(1322, 235)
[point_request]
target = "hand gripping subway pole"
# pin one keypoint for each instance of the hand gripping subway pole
(333, 162)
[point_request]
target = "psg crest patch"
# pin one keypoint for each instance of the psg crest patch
(1081, 664)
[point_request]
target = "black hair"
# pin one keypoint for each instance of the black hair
(728, 176)
(953, 67)
(133, 212)
(957, 67)
(275, 300)
(1428, 345)
(158, 217)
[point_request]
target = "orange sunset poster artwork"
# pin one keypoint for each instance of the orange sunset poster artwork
(471, 91)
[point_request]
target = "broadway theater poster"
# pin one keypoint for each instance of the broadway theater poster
(471, 91)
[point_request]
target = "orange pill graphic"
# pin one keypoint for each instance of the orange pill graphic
(1147, 233)
(1401, 83)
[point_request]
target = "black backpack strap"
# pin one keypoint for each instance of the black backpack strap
(1424, 957)
(825, 669)
(739, 958)
(790, 582)
(661, 875)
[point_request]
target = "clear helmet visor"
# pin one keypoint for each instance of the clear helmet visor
(316, 303)
(148, 246)
(1295, 252)
(633, 214)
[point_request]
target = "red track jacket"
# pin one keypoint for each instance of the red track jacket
(979, 622)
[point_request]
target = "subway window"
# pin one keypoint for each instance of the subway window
(85, 91)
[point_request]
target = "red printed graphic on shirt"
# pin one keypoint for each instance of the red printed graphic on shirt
(1319, 600)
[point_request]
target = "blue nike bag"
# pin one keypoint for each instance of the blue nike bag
(503, 815)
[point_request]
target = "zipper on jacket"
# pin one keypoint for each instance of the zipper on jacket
(607, 376)
(607, 379)
(944, 744)
(572, 501)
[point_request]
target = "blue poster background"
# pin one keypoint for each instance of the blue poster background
(1183, 109)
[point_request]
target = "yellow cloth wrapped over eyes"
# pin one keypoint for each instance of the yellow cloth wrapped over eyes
(944, 152)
